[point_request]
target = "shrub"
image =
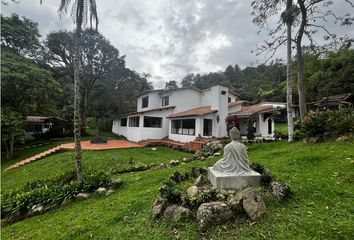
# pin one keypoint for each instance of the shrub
(170, 192)
(267, 176)
(332, 122)
(20, 202)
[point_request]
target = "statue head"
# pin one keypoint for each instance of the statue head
(235, 134)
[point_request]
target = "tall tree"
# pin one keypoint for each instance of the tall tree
(80, 10)
(171, 85)
(288, 19)
(310, 16)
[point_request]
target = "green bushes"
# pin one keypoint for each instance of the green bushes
(18, 204)
(334, 123)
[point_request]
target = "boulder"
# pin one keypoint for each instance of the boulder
(37, 208)
(177, 213)
(174, 162)
(279, 190)
(193, 191)
(82, 195)
(217, 154)
(153, 149)
(158, 207)
(213, 213)
(101, 190)
(252, 203)
(311, 140)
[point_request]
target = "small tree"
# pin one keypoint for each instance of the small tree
(232, 121)
(251, 130)
(12, 130)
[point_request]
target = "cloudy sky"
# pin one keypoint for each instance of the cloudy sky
(169, 38)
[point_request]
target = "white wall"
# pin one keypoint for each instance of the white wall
(235, 108)
(154, 101)
(263, 127)
(184, 99)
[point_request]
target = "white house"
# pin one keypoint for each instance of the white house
(181, 114)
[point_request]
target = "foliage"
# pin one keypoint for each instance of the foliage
(20, 35)
(323, 201)
(232, 121)
(27, 87)
(333, 122)
(251, 129)
(170, 192)
(19, 203)
(12, 129)
(267, 176)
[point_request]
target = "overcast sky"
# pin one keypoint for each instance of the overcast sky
(169, 38)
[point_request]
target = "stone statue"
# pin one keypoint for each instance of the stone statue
(233, 170)
(235, 160)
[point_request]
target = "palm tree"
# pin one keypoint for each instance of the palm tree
(288, 19)
(80, 10)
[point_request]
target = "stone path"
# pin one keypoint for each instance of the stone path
(86, 145)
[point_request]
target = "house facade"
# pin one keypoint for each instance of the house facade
(182, 114)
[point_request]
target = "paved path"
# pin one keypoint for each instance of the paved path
(85, 145)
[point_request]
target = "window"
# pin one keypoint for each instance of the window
(152, 122)
(270, 126)
(165, 100)
(208, 127)
(134, 121)
(145, 102)
(123, 122)
(229, 99)
(185, 127)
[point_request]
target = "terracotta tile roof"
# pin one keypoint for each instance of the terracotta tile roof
(254, 109)
(231, 104)
(345, 98)
(201, 111)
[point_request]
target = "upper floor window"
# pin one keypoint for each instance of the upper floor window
(165, 100)
(145, 102)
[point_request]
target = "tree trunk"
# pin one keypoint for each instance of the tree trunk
(84, 109)
(77, 112)
(300, 61)
(11, 145)
(289, 97)
(6, 149)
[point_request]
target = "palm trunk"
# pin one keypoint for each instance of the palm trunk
(11, 143)
(5, 143)
(300, 61)
(77, 112)
(289, 97)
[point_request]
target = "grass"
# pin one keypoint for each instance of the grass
(282, 128)
(321, 177)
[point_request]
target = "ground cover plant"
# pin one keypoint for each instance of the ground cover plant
(322, 206)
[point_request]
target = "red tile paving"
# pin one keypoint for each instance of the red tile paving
(111, 144)
(86, 145)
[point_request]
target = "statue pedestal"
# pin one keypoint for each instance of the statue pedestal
(237, 182)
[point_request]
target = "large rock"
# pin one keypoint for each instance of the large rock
(177, 213)
(213, 213)
(82, 195)
(252, 203)
(101, 190)
(158, 207)
(279, 190)
(193, 191)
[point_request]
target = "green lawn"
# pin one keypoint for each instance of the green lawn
(321, 177)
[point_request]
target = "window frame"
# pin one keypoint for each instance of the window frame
(183, 131)
(126, 122)
(145, 101)
(163, 103)
(131, 121)
(156, 126)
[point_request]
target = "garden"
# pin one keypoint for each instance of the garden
(320, 175)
